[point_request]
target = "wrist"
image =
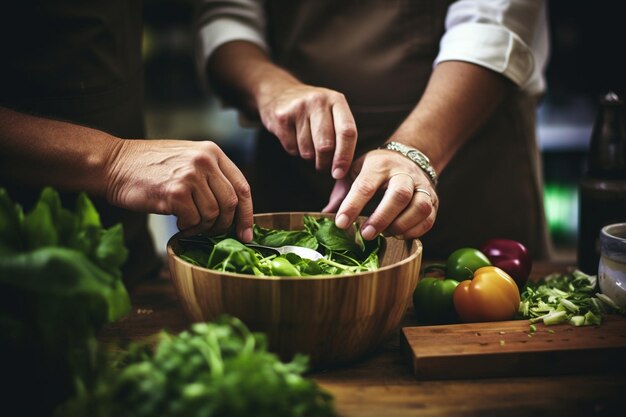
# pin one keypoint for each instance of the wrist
(416, 156)
(271, 81)
(112, 166)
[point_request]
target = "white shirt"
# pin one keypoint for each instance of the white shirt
(506, 36)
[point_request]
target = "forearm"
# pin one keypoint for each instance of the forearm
(40, 151)
(242, 74)
(458, 100)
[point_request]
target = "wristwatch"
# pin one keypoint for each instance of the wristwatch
(414, 155)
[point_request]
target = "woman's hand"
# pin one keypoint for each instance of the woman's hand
(403, 211)
(195, 181)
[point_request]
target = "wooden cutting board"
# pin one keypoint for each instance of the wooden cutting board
(509, 349)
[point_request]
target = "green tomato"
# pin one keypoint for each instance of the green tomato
(463, 262)
(433, 300)
(282, 267)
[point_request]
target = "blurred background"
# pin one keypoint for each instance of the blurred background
(586, 61)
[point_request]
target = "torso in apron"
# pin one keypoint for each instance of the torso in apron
(379, 54)
(80, 61)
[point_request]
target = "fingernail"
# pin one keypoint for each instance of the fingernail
(338, 173)
(368, 232)
(246, 236)
(342, 221)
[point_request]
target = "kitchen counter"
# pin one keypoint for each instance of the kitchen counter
(383, 384)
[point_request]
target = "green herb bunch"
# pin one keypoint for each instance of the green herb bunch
(213, 370)
(571, 297)
(60, 282)
(344, 253)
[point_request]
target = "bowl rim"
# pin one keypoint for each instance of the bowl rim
(408, 259)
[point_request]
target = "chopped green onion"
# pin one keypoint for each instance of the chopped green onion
(569, 305)
(571, 297)
(555, 318)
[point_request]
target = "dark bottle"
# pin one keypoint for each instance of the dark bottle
(602, 190)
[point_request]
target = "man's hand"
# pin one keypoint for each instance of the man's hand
(313, 123)
(194, 181)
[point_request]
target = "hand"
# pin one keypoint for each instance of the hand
(402, 212)
(195, 181)
(312, 122)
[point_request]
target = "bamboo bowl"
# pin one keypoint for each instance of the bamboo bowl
(332, 319)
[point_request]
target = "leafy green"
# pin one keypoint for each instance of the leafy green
(565, 297)
(216, 369)
(343, 252)
(60, 282)
(275, 238)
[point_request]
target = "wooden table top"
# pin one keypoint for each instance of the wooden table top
(383, 385)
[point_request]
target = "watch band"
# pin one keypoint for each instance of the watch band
(414, 155)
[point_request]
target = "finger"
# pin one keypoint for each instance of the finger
(207, 206)
(304, 140)
(420, 228)
(183, 207)
(323, 135)
(345, 138)
(418, 217)
(396, 199)
(361, 191)
(338, 193)
(244, 210)
(287, 137)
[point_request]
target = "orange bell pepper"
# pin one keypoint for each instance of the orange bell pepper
(491, 295)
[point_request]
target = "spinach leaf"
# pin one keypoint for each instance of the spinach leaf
(233, 256)
(334, 238)
(275, 238)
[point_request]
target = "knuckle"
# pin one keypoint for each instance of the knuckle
(185, 222)
(242, 188)
(317, 98)
(428, 222)
(207, 147)
(211, 213)
(347, 132)
(325, 146)
(365, 187)
(338, 96)
(177, 191)
(424, 208)
(230, 203)
(281, 118)
(403, 194)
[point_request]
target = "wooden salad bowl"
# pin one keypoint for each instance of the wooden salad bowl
(332, 319)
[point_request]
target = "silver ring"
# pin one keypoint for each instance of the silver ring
(403, 173)
(421, 190)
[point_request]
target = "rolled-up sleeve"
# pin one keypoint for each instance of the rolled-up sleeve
(509, 37)
(220, 21)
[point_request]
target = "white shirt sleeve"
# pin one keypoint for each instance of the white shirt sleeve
(220, 21)
(506, 36)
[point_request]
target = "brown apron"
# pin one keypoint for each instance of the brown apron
(80, 61)
(380, 54)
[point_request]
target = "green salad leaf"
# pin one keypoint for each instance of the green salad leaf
(60, 282)
(218, 369)
(344, 253)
